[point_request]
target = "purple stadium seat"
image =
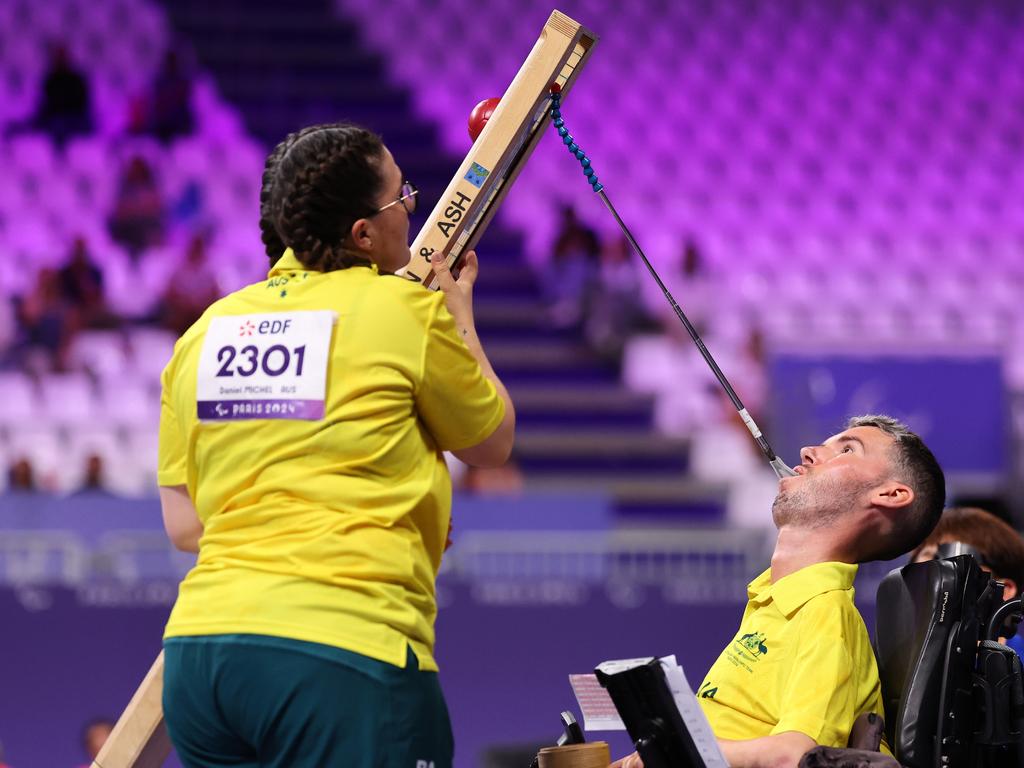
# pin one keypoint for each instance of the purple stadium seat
(130, 402)
(151, 349)
(67, 399)
(102, 353)
(20, 399)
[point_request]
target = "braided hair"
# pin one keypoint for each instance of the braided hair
(272, 242)
(316, 184)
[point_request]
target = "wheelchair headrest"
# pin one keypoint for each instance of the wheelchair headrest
(926, 633)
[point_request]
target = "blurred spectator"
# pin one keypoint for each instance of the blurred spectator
(94, 735)
(574, 258)
(749, 367)
(721, 447)
(999, 545)
(8, 329)
(692, 288)
(188, 296)
(166, 112)
(94, 479)
(46, 325)
(21, 476)
(185, 214)
(495, 481)
(65, 109)
(81, 285)
(137, 221)
(616, 310)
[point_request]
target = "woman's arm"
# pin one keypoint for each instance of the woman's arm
(494, 450)
(181, 521)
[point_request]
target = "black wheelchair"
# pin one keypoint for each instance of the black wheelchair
(954, 696)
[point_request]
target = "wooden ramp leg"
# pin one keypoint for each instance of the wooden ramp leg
(140, 740)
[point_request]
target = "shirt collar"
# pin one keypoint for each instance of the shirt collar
(287, 263)
(792, 591)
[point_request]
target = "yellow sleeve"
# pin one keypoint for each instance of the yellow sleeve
(459, 406)
(819, 698)
(173, 448)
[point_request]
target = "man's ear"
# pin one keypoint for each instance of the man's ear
(361, 235)
(893, 496)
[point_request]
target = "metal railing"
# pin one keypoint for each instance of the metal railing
(65, 558)
(687, 566)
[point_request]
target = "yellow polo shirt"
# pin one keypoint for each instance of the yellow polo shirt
(326, 529)
(801, 661)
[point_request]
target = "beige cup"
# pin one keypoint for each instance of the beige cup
(594, 754)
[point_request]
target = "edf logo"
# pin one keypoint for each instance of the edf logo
(270, 327)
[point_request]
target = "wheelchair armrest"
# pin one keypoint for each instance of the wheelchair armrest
(861, 751)
(867, 732)
(834, 757)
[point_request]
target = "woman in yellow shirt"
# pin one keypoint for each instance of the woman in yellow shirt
(303, 420)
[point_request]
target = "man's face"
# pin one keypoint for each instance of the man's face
(834, 478)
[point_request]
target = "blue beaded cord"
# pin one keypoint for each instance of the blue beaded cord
(570, 143)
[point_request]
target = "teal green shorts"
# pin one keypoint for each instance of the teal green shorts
(251, 700)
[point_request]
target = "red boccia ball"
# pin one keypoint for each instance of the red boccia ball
(480, 115)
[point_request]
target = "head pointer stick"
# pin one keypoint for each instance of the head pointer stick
(777, 464)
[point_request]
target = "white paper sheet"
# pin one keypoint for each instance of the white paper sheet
(696, 722)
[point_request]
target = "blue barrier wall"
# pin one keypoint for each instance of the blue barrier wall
(958, 404)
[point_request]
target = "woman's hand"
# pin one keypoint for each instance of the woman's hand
(458, 294)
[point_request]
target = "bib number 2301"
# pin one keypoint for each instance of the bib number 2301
(273, 361)
(268, 366)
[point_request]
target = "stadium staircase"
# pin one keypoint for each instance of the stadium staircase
(285, 66)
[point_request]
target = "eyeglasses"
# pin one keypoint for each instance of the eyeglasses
(408, 192)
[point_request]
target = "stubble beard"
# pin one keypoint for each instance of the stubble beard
(817, 503)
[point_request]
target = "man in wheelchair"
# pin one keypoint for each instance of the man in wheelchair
(801, 669)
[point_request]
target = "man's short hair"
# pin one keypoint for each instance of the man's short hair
(1000, 545)
(914, 464)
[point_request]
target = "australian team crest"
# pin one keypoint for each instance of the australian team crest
(754, 642)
